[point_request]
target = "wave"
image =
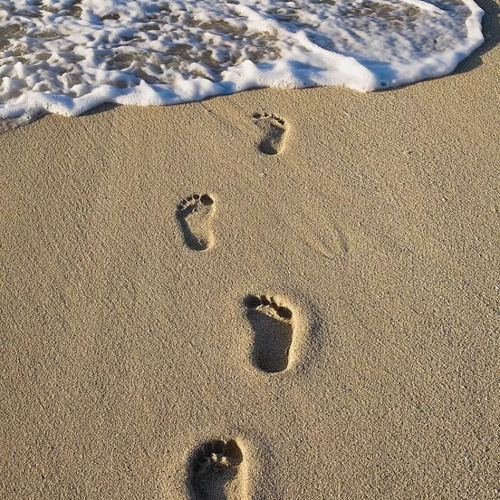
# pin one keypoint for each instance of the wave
(67, 56)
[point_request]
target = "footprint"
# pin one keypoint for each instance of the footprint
(195, 215)
(273, 327)
(215, 472)
(274, 132)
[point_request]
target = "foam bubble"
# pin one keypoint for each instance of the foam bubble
(67, 56)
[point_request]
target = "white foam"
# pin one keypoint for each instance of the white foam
(67, 56)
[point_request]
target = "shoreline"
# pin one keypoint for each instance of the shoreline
(353, 69)
(132, 324)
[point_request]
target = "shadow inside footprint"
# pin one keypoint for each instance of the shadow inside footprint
(215, 472)
(273, 329)
(273, 133)
(194, 215)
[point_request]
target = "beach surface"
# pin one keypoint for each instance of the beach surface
(307, 280)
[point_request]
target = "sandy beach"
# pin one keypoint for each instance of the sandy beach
(300, 285)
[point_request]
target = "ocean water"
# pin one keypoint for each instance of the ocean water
(68, 56)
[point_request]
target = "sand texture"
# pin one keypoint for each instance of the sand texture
(278, 295)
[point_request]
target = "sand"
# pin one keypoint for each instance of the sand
(326, 317)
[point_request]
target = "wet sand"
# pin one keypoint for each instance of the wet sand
(279, 294)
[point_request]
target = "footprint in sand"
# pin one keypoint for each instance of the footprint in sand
(216, 472)
(274, 131)
(195, 219)
(273, 326)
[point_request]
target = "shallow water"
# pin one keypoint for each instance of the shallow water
(67, 56)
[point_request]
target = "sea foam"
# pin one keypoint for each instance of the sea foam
(67, 56)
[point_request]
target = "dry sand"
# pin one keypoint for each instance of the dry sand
(130, 330)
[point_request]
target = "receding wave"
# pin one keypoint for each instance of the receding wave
(67, 56)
